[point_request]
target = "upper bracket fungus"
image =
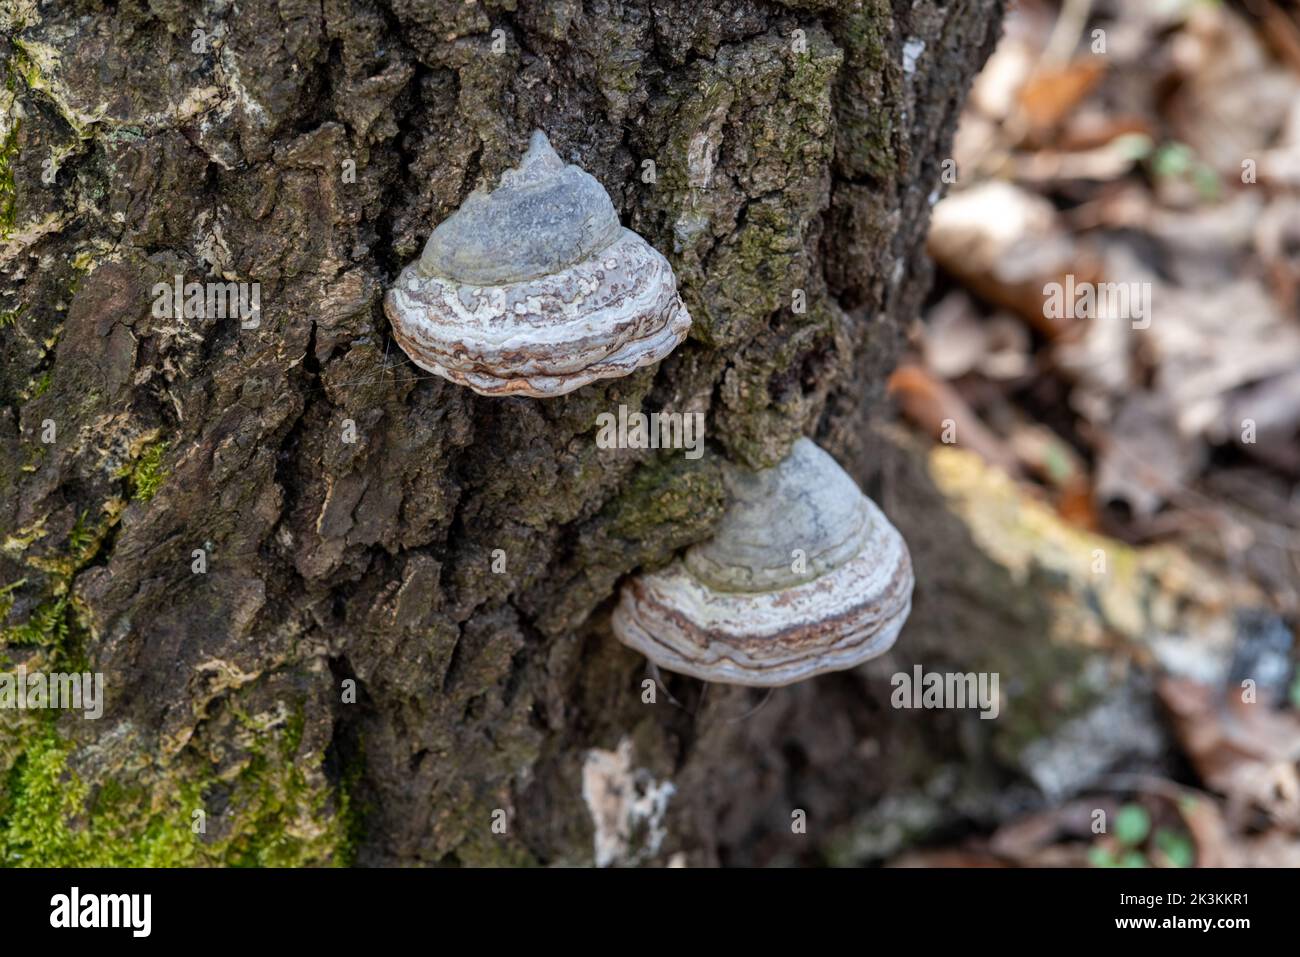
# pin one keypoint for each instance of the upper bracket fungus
(535, 288)
(804, 575)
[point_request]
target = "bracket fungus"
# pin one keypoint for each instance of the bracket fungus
(535, 288)
(804, 575)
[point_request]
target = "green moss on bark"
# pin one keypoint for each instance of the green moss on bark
(8, 192)
(55, 624)
(274, 813)
(146, 473)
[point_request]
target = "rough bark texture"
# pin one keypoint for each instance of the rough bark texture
(795, 147)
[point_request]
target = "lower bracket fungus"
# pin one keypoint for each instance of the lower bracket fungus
(805, 575)
(535, 288)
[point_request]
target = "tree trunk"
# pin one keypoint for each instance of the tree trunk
(348, 611)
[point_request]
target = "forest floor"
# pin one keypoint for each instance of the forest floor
(1147, 153)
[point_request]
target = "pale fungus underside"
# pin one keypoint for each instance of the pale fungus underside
(805, 575)
(535, 288)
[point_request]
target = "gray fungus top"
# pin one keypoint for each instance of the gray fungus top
(544, 216)
(805, 575)
(807, 504)
(535, 288)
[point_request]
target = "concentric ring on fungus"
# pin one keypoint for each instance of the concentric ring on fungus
(805, 575)
(535, 288)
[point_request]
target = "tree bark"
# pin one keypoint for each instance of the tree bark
(200, 527)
